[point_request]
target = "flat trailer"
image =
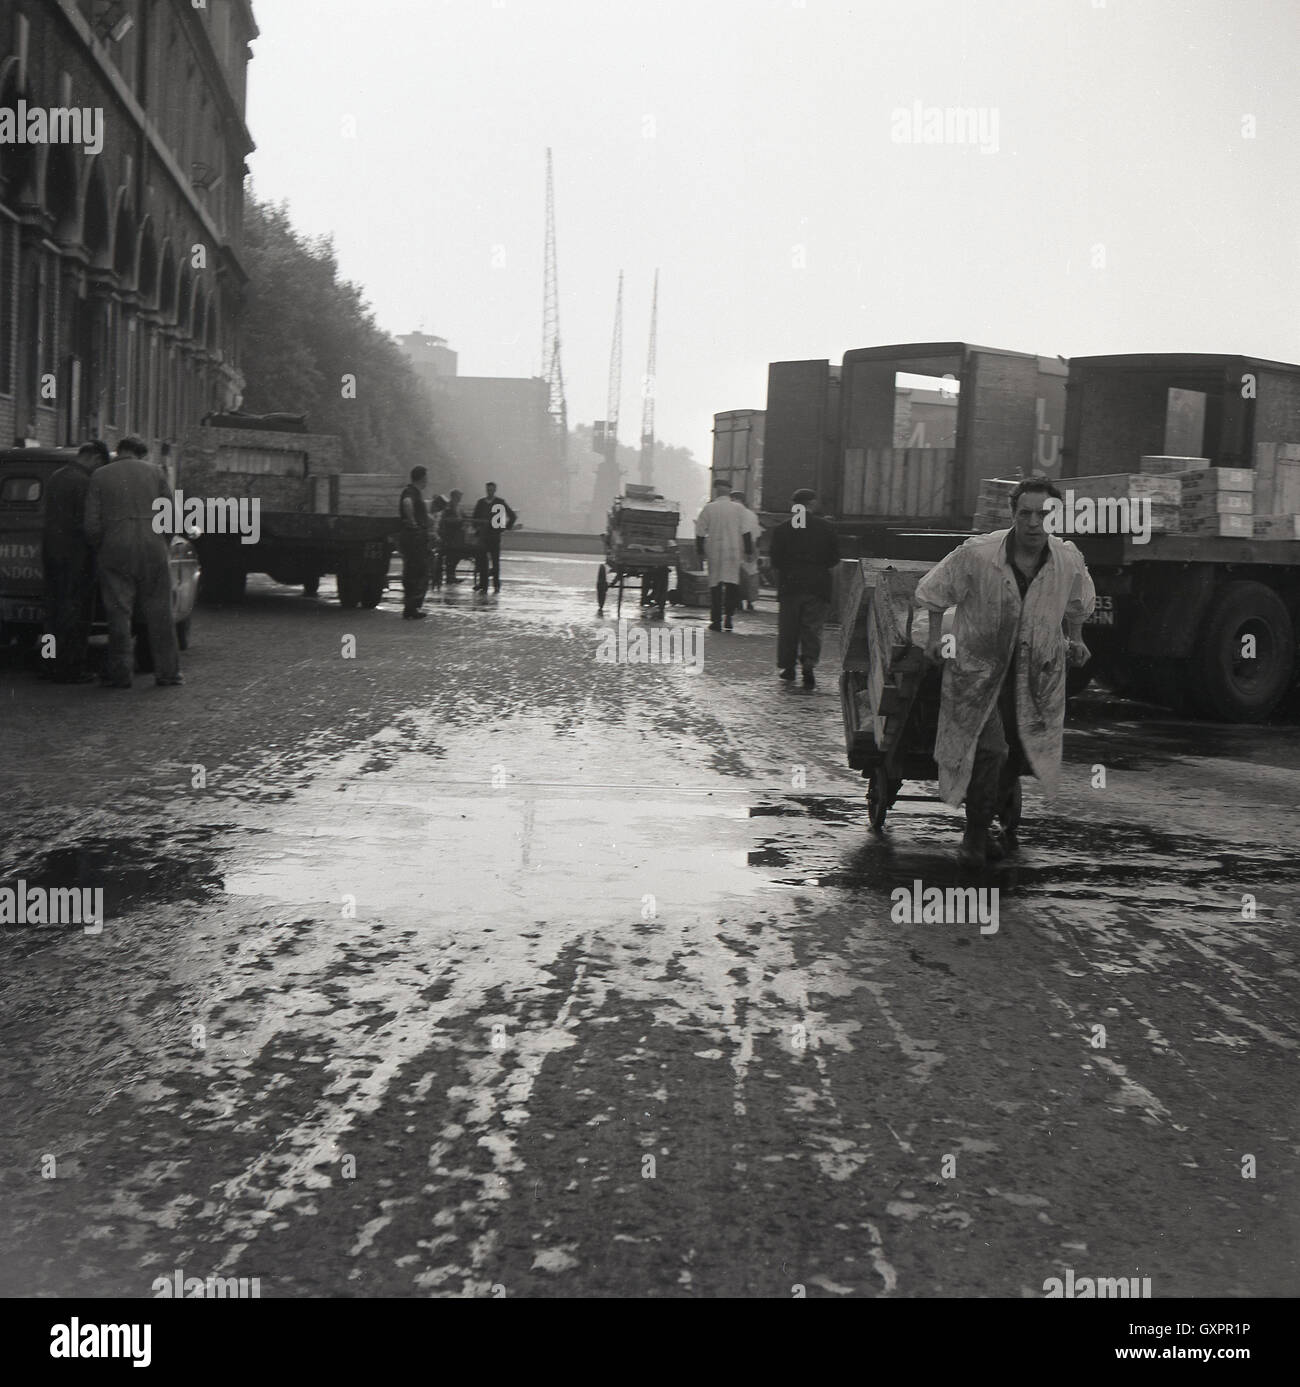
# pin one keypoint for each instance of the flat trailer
(294, 477)
(1197, 622)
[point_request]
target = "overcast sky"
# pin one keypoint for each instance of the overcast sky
(1115, 198)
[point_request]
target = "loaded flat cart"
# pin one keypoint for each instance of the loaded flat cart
(640, 541)
(889, 692)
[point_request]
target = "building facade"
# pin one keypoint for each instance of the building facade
(430, 357)
(122, 164)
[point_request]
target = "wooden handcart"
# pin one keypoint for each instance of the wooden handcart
(640, 542)
(889, 692)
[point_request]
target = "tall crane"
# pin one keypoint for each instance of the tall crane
(552, 367)
(648, 393)
(605, 433)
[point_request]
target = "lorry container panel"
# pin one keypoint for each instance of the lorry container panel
(802, 433)
(738, 449)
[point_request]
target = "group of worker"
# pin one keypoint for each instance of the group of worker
(99, 529)
(804, 555)
(433, 540)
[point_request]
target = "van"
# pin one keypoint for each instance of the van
(24, 476)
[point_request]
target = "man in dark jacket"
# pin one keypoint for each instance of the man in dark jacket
(69, 564)
(414, 542)
(805, 552)
(494, 515)
(134, 566)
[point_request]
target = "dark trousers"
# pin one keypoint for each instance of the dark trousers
(138, 582)
(487, 563)
(415, 569)
(799, 621)
(724, 597)
(70, 603)
(999, 762)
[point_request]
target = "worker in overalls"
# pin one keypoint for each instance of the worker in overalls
(134, 569)
(414, 543)
(69, 565)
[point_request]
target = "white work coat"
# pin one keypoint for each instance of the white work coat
(754, 529)
(721, 525)
(992, 624)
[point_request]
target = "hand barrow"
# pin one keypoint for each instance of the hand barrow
(889, 691)
(640, 541)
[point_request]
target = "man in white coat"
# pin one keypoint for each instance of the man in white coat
(723, 540)
(749, 587)
(1022, 597)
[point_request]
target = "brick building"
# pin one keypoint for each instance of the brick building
(120, 274)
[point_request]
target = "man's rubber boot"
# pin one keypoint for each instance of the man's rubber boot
(974, 846)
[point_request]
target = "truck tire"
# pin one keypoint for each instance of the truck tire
(311, 585)
(349, 589)
(1230, 684)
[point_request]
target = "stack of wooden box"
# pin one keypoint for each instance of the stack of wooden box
(1277, 491)
(993, 508)
(1160, 464)
(1162, 490)
(369, 493)
(1219, 501)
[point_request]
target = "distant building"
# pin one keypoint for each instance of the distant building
(120, 228)
(430, 357)
(494, 429)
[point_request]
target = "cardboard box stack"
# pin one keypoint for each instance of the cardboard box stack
(994, 509)
(1219, 501)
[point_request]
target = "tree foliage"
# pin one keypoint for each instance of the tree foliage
(305, 330)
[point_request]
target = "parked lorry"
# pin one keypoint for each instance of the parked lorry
(306, 528)
(738, 452)
(1198, 621)
(1202, 621)
(24, 475)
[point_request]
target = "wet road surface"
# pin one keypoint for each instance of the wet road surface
(473, 966)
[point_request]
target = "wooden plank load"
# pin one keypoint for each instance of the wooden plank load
(1162, 490)
(368, 493)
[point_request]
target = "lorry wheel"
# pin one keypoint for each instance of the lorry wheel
(183, 634)
(311, 585)
(1245, 657)
(349, 587)
(372, 592)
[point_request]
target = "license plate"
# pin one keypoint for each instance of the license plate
(1103, 614)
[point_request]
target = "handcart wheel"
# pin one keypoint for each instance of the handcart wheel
(881, 793)
(602, 587)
